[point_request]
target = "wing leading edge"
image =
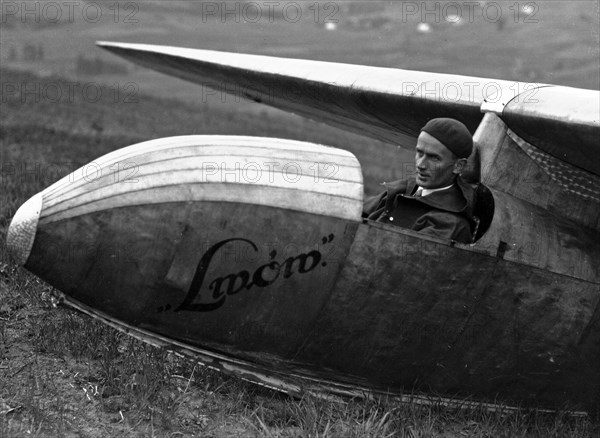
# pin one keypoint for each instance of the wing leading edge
(389, 104)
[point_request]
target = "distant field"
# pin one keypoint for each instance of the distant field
(553, 41)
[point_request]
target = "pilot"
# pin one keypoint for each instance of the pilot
(436, 201)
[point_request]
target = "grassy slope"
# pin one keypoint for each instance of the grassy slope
(557, 45)
(61, 374)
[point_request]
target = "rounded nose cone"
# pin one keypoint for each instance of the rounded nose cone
(22, 229)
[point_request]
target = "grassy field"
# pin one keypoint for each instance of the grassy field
(555, 42)
(62, 374)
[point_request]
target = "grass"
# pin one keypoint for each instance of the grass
(64, 374)
(522, 50)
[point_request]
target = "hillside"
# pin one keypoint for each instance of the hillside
(549, 41)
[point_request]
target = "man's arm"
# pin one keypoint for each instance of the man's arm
(373, 203)
(444, 225)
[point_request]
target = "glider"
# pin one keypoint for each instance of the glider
(269, 272)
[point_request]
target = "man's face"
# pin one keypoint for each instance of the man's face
(436, 164)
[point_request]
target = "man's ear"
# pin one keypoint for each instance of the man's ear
(460, 165)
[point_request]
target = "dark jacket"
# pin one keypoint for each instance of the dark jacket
(446, 214)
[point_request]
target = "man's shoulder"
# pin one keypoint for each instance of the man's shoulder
(385, 199)
(399, 185)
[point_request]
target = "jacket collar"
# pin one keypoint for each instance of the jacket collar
(457, 199)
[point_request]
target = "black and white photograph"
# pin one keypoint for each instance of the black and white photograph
(305, 219)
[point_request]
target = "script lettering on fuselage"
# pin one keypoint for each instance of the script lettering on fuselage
(238, 282)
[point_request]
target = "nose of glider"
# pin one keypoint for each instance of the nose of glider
(22, 229)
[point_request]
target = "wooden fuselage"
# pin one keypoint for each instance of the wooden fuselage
(314, 298)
